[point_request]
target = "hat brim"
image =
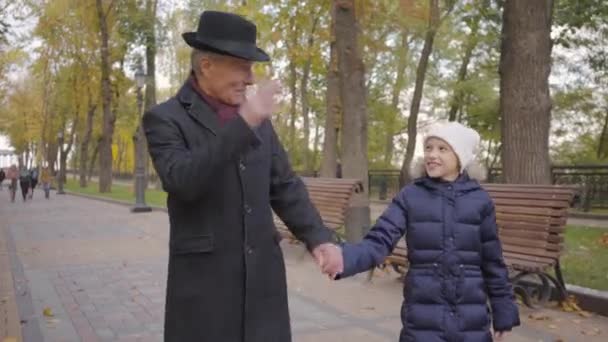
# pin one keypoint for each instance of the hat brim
(231, 48)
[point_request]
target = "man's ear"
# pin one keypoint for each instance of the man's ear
(204, 65)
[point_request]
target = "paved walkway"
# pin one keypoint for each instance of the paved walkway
(98, 272)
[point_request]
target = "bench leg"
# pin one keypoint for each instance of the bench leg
(532, 293)
(559, 283)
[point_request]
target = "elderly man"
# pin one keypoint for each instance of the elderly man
(224, 168)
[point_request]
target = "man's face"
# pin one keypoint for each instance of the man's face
(226, 78)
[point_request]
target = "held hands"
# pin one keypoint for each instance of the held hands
(329, 258)
(260, 106)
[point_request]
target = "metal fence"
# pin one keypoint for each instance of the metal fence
(591, 179)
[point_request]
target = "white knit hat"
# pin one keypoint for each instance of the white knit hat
(463, 140)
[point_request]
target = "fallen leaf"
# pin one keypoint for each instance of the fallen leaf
(537, 316)
(585, 314)
(47, 312)
(9, 339)
(593, 332)
(570, 305)
(576, 321)
(552, 326)
(604, 240)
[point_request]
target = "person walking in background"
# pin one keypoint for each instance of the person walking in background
(33, 181)
(2, 176)
(24, 182)
(12, 176)
(45, 180)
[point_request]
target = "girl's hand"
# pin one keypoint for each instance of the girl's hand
(500, 335)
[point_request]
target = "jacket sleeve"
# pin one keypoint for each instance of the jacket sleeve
(505, 314)
(290, 200)
(379, 241)
(186, 172)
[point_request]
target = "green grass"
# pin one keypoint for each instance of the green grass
(119, 192)
(585, 259)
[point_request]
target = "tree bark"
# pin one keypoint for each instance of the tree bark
(525, 102)
(94, 159)
(84, 146)
(150, 94)
(293, 79)
(105, 147)
(308, 165)
(329, 159)
(457, 98)
(602, 148)
(412, 121)
(354, 123)
(391, 130)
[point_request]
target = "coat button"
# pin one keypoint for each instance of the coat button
(249, 250)
(247, 208)
(242, 166)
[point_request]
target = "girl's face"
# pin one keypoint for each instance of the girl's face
(440, 161)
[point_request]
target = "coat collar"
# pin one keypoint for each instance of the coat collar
(461, 185)
(197, 108)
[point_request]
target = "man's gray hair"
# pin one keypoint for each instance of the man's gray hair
(195, 59)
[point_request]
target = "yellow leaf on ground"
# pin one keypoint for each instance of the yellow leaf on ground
(9, 339)
(552, 326)
(585, 314)
(47, 312)
(604, 240)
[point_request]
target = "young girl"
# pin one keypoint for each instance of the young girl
(455, 256)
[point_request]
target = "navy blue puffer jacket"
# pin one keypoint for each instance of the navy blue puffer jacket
(456, 262)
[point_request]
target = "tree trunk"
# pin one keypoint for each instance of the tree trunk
(93, 159)
(315, 155)
(525, 102)
(293, 79)
(308, 165)
(354, 122)
(457, 98)
(150, 95)
(84, 146)
(329, 159)
(391, 130)
(412, 121)
(105, 147)
(602, 148)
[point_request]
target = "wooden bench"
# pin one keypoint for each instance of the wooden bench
(531, 220)
(331, 197)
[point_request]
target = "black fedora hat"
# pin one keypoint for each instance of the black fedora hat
(226, 33)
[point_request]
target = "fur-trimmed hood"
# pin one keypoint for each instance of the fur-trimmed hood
(475, 170)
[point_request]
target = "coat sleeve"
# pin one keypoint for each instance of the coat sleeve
(186, 172)
(290, 200)
(379, 241)
(505, 314)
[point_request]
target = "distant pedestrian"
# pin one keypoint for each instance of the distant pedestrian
(12, 176)
(33, 181)
(2, 176)
(45, 179)
(25, 182)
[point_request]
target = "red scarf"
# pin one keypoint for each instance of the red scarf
(224, 111)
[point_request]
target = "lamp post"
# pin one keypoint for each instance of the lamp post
(60, 173)
(140, 148)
